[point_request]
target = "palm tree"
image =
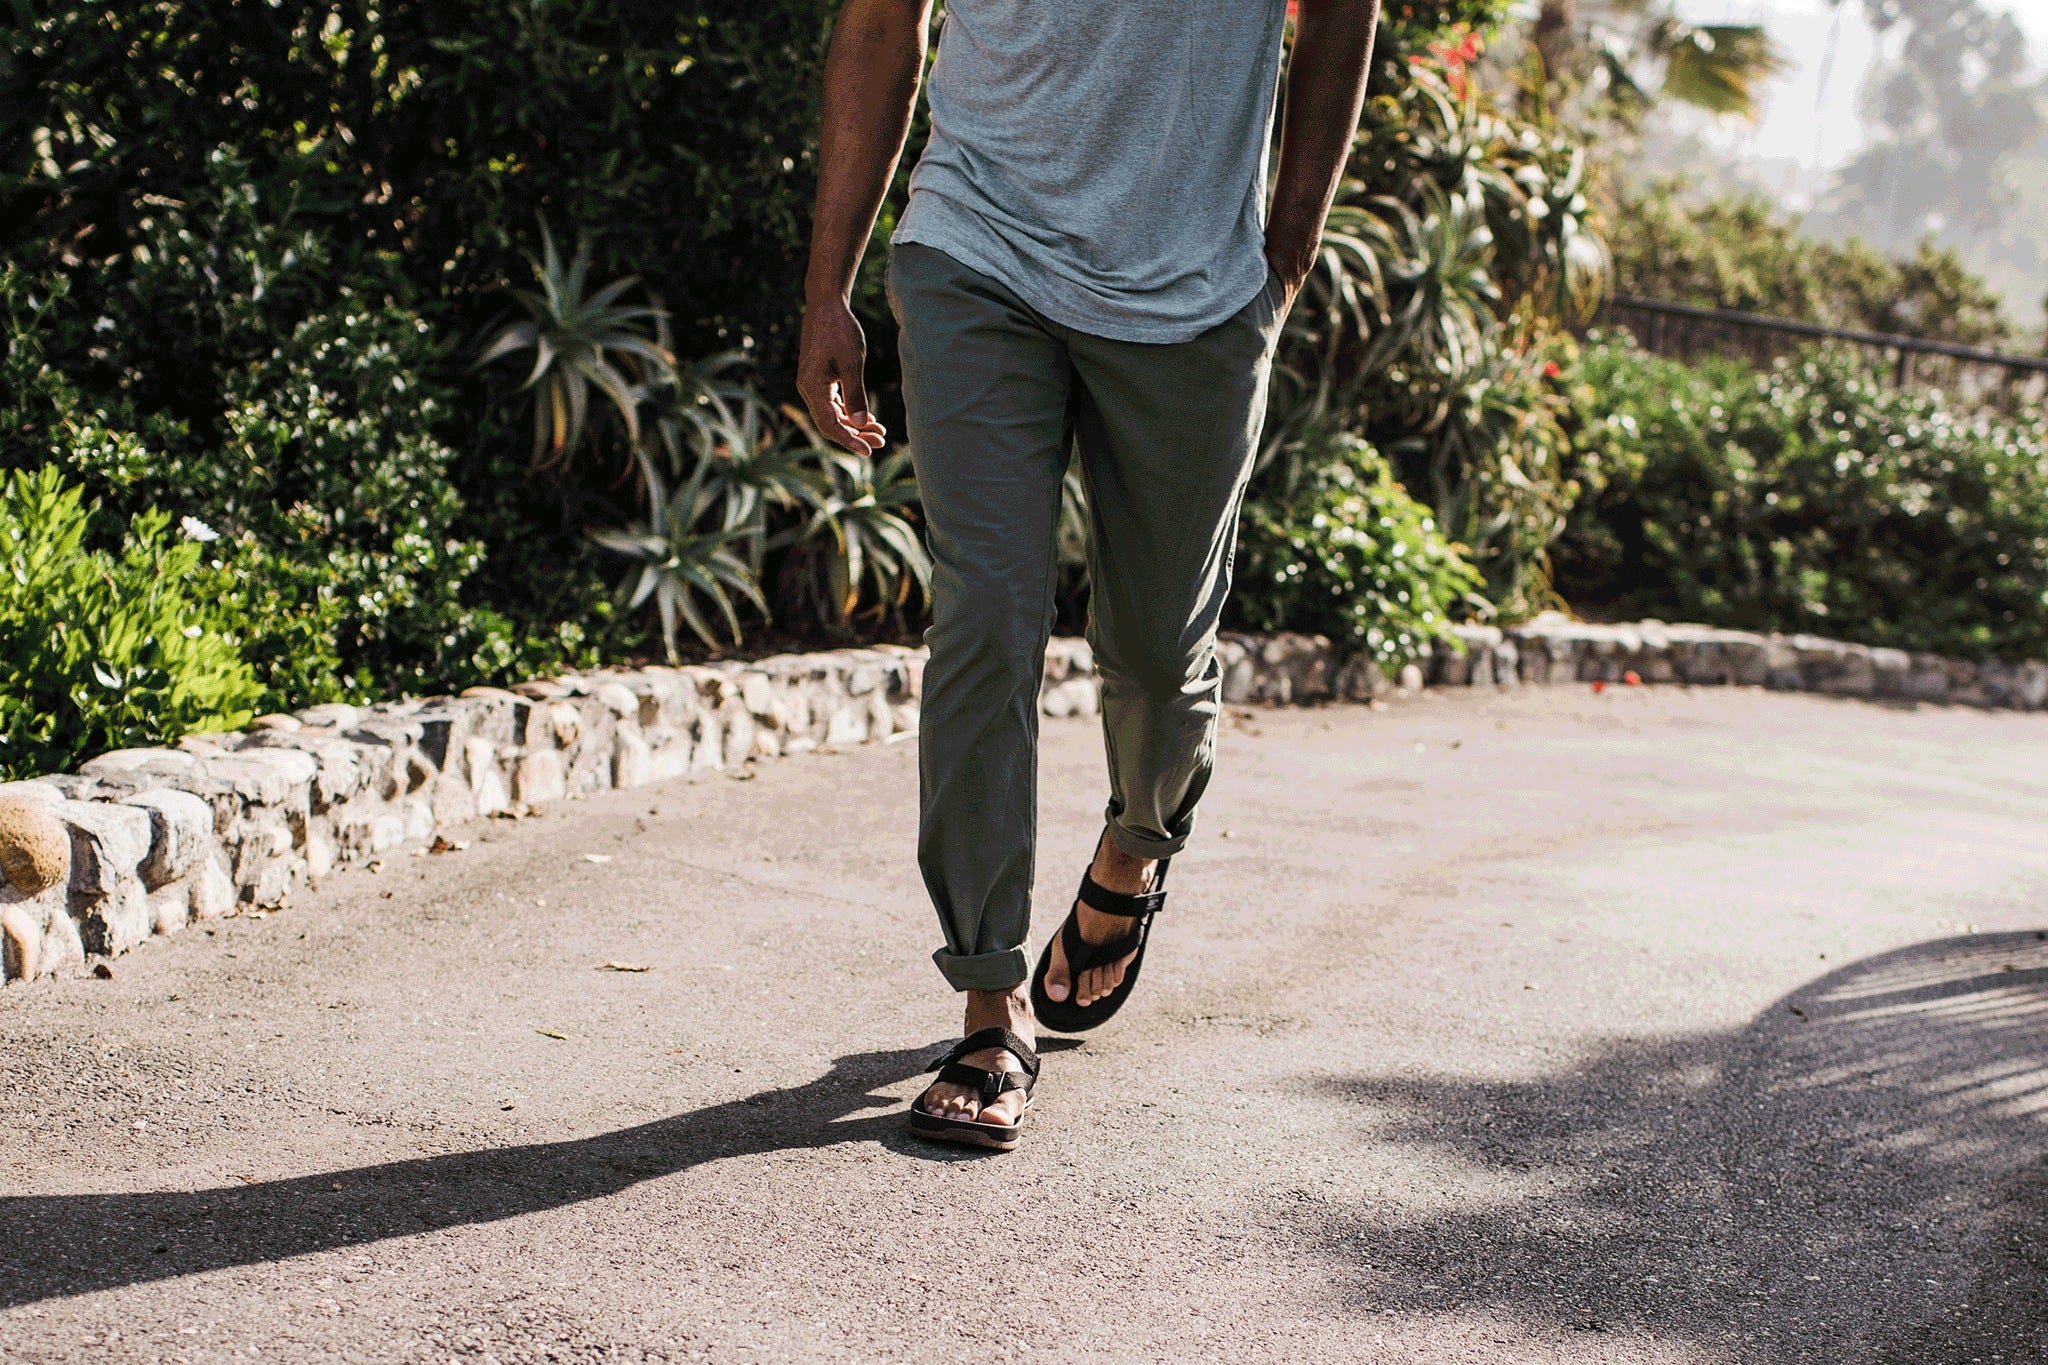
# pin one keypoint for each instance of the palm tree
(1638, 51)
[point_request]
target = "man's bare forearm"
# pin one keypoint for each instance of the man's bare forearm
(871, 77)
(1325, 91)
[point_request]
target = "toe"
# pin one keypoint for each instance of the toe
(1056, 974)
(1105, 981)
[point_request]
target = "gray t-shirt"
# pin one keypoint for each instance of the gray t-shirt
(1105, 159)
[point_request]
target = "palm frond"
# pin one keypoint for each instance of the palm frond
(1715, 67)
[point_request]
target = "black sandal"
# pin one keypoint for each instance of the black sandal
(1000, 1137)
(1064, 1016)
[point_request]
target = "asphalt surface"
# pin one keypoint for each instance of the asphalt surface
(1652, 1026)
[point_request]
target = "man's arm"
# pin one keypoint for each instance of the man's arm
(871, 76)
(1325, 90)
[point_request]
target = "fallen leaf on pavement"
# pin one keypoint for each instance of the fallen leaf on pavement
(623, 967)
(550, 1033)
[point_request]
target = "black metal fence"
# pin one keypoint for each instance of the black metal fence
(1683, 331)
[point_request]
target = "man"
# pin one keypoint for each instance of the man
(1085, 263)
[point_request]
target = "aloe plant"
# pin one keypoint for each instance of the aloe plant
(860, 541)
(684, 559)
(582, 341)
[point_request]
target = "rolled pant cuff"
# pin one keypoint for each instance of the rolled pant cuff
(998, 971)
(1145, 845)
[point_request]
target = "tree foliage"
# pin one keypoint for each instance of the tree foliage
(1618, 57)
(1742, 253)
(420, 137)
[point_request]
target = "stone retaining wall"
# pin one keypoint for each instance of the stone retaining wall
(143, 841)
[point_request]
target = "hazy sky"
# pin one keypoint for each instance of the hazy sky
(1810, 116)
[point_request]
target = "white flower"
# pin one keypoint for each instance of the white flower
(195, 529)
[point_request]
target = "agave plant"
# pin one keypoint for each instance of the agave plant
(860, 541)
(694, 410)
(756, 469)
(684, 558)
(1314, 385)
(1441, 278)
(583, 341)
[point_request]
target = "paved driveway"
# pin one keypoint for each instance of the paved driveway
(1650, 1026)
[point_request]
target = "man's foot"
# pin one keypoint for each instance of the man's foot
(1009, 1009)
(1113, 870)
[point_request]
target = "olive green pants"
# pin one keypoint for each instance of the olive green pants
(997, 396)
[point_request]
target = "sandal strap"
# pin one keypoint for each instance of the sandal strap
(1098, 897)
(989, 1083)
(1082, 955)
(987, 1038)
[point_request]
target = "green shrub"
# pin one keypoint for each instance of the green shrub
(225, 375)
(1350, 555)
(1811, 498)
(103, 650)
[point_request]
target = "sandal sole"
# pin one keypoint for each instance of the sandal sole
(961, 1137)
(1062, 1017)
(966, 1133)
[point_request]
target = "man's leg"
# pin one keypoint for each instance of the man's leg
(986, 387)
(1167, 437)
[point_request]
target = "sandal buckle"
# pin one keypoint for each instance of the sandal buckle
(991, 1085)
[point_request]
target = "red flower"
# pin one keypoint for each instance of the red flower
(1632, 678)
(1553, 370)
(1598, 687)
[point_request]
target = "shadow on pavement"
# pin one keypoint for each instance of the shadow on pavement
(57, 1245)
(1791, 1191)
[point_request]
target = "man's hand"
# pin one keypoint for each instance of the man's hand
(829, 373)
(1293, 266)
